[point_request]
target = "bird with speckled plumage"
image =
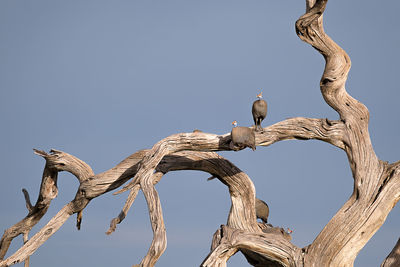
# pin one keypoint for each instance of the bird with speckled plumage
(259, 110)
(242, 137)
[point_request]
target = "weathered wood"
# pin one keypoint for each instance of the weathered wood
(26, 238)
(375, 192)
(121, 216)
(240, 216)
(55, 161)
(267, 248)
(39, 238)
(210, 162)
(361, 216)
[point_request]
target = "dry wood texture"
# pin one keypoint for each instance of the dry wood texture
(376, 183)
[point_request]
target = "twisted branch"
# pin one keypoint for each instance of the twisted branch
(270, 248)
(349, 230)
(92, 186)
(376, 183)
(55, 161)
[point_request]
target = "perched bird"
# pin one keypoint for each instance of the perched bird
(262, 210)
(242, 137)
(259, 110)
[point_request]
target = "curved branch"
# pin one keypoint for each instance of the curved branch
(55, 161)
(238, 182)
(329, 131)
(27, 200)
(266, 248)
(240, 186)
(376, 183)
(39, 238)
(159, 243)
(295, 128)
(121, 216)
(362, 215)
(93, 186)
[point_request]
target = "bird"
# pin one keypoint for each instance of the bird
(259, 110)
(242, 137)
(262, 210)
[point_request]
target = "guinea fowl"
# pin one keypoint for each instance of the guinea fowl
(262, 210)
(242, 137)
(259, 110)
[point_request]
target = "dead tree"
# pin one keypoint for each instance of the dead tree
(376, 183)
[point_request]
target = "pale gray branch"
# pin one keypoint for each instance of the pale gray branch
(55, 161)
(91, 187)
(128, 203)
(376, 183)
(264, 248)
(329, 131)
(354, 224)
(26, 238)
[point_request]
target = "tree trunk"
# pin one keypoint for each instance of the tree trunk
(376, 187)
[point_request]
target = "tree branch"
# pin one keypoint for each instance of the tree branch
(362, 215)
(267, 249)
(128, 203)
(163, 158)
(159, 243)
(104, 182)
(55, 161)
(92, 186)
(376, 183)
(27, 200)
(329, 131)
(39, 238)
(26, 238)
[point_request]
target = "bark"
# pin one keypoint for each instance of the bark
(393, 259)
(56, 161)
(376, 186)
(97, 185)
(261, 249)
(376, 183)
(240, 186)
(92, 186)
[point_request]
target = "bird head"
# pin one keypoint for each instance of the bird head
(234, 123)
(259, 95)
(289, 230)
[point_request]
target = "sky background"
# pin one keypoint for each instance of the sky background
(103, 79)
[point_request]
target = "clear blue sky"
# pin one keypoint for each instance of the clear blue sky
(103, 79)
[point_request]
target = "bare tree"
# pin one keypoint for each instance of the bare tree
(375, 192)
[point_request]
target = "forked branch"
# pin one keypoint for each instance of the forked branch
(55, 161)
(376, 183)
(266, 248)
(92, 186)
